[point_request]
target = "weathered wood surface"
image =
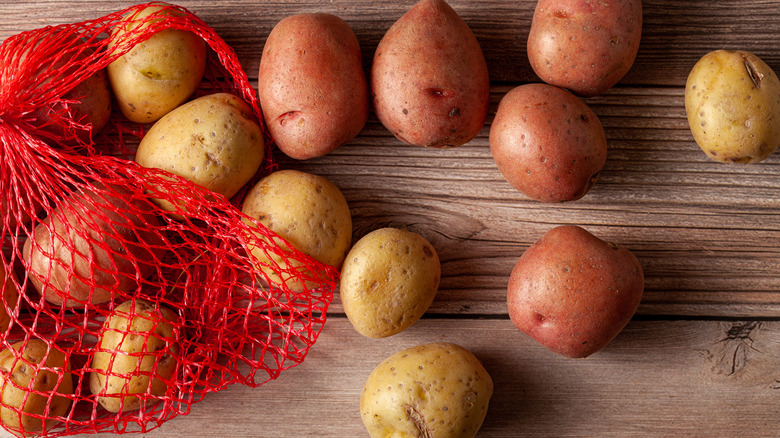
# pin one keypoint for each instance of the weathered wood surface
(701, 357)
(658, 379)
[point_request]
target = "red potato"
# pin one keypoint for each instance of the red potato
(88, 105)
(75, 248)
(429, 79)
(90, 110)
(547, 143)
(83, 110)
(584, 46)
(312, 86)
(10, 297)
(573, 292)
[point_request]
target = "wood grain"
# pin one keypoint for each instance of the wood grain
(659, 379)
(701, 357)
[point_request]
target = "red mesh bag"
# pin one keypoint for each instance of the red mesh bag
(188, 309)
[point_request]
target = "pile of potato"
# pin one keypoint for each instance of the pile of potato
(545, 141)
(570, 291)
(96, 247)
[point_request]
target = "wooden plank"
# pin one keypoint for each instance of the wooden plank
(675, 34)
(658, 378)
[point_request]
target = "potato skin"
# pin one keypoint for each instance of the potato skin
(16, 375)
(71, 237)
(306, 210)
(438, 381)
(158, 74)
(586, 47)
(389, 280)
(573, 292)
(547, 143)
(92, 106)
(137, 353)
(312, 86)
(732, 101)
(429, 79)
(10, 297)
(214, 141)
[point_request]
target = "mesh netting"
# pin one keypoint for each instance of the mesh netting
(106, 294)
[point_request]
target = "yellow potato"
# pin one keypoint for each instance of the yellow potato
(28, 389)
(437, 390)
(388, 281)
(213, 141)
(308, 211)
(135, 356)
(732, 101)
(158, 74)
(10, 297)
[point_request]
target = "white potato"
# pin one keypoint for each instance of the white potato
(135, 357)
(30, 391)
(388, 281)
(306, 210)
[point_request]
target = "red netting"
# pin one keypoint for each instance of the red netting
(78, 223)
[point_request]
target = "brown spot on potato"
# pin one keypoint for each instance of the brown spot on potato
(440, 92)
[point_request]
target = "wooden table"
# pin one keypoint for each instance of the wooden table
(701, 357)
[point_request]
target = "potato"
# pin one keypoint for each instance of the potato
(213, 141)
(136, 356)
(732, 100)
(90, 110)
(10, 301)
(429, 79)
(312, 86)
(547, 143)
(573, 292)
(158, 74)
(111, 248)
(586, 47)
(29, 390)
(388, 281)
(436, 390)
(306, 210)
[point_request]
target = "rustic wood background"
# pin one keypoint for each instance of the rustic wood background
(702, 356)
